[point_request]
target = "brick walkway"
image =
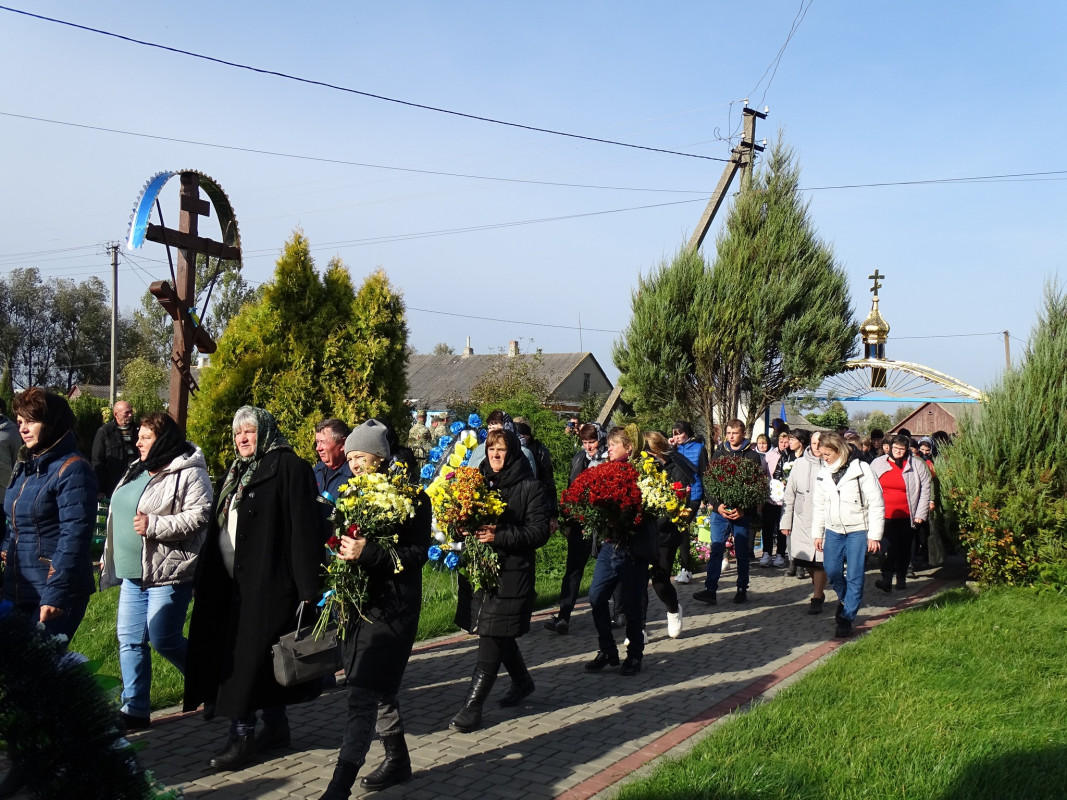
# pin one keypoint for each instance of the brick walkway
(578, 734)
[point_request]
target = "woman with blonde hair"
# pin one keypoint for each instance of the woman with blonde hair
(848, 517)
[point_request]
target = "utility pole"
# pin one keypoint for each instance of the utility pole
(741, 157)
(114, 249)
(1007, 352)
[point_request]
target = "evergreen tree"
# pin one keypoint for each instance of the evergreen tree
(308, 347)
(777, 300)
(661, 377)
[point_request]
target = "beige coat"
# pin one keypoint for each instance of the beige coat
(178, 502)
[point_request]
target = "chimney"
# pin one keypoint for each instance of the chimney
(467, 351)
(513, 348)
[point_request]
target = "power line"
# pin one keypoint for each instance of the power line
(349, 90)
(777, 60)
(509, 321)
(325, 160)
(948, 335)
(970, 179)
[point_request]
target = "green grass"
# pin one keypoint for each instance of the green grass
(96, 636)
(966, 698)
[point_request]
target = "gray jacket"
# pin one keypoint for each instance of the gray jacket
(10, 443)
(797, 508)
(178, 503)
(916, 484)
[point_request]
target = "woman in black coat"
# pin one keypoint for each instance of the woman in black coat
(262, 558)
(502, 615)
(376, 649)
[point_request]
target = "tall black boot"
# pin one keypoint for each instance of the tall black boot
(395, 769)
(344, 776)
(239, 751)
(470, 716)
(522, 684)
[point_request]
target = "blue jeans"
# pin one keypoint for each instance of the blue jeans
(615, 565)
(154, 615)
(837, 550)
(721, 528)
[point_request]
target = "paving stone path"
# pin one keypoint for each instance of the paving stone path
(579, 734)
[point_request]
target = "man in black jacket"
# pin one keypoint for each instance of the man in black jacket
(115, 447)
(729, 521)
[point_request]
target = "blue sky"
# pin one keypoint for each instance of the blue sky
(865, 93)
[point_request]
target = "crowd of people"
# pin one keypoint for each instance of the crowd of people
(251, 551)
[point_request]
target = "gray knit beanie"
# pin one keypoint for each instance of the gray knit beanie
(370, 437)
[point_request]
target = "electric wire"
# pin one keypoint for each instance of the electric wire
(349, 90)
(345, 162)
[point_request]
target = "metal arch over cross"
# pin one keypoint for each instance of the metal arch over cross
(876, 277)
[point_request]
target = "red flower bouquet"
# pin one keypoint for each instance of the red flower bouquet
(606, 500)
(736, 482)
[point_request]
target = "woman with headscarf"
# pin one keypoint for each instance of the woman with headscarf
(156, 524)
(51, 512)
(501, 615)
(376, 649)
(260, 561)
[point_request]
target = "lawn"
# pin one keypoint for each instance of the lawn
(963, 699)
(97, 640)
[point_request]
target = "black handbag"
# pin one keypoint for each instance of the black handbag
(299, 657)
(644, 543)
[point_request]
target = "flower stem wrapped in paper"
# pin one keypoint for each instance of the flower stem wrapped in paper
(605, 500)
(462, 503)
(374, 506)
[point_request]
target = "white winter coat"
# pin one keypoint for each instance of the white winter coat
(852, 504)
(178, 502)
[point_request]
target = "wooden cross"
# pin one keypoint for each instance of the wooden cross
(876, 277)
(178, 300)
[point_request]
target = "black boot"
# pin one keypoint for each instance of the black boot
(344, 775)
(522, 684)
(470, 716)
(14, 780)
(272, 736)
(239, 750)
(395, 769)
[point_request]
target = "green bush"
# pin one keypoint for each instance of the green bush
(89, 414)
(1005, 477)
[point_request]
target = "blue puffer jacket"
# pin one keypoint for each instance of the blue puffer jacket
(51, 511)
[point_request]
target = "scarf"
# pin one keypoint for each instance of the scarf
(268, 439)
(169, 445)
(58, 421)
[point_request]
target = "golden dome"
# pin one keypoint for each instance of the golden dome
(874, 330)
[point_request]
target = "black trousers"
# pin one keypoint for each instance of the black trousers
(898, 537)
(772, 534)
(660, 572)
(370, 713)
(496, 650)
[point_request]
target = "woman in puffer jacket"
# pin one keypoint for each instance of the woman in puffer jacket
(156, 524)
(905, 482)
(797, 514)
(848, 516)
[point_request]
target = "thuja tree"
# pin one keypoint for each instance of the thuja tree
(307, 347)
(1004, 477)
(776, 300)
(770, 317)
(660, 375)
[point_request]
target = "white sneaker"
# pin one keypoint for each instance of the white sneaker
(684, 576)
(674, 623)
(779, 561)
(766, 560)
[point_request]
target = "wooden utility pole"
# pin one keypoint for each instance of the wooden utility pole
(114, 249)
(178, 300)
(1007, 352)
(741, 157)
